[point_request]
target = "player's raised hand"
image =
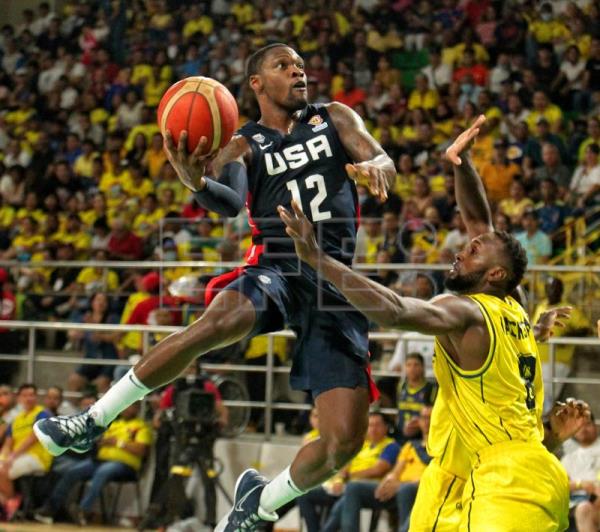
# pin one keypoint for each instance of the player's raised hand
(554, 317)
(568, 417)
(464, 141)
(371, 176)
(298, 226)
(190, 167)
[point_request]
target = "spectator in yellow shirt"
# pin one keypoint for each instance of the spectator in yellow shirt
(147, 126)
(7, 217)
(121, 451)
(73, 234)
(577, 324)
(546, 28)
(197, 22)
(146, 222)
(516, 204)
(83, 164)
(138, 185)
(21, 453)
(542, 108)
(31, 208)
(27, 242)
(155, 87)
(114, 182)
(155, 156)
(423, 96)
(94, 278)
(243, 12)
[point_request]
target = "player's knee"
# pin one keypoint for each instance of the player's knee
(341, 449)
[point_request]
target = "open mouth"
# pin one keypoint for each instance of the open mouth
(300, 85)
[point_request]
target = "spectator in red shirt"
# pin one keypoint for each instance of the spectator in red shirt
(144, 312)
(350, 95)
(469, 66)
(123, 243)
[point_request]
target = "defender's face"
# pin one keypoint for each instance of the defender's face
(282, 79)
(471, 264)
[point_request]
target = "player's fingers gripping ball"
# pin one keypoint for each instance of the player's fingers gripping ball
(201, 107)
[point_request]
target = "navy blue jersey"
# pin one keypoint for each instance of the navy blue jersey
(308, 165)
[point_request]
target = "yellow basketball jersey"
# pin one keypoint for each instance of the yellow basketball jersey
(502, 400)
(444, 444)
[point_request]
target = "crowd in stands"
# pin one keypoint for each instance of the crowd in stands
(83, 176)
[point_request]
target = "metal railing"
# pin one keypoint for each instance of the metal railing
(31, 358)
(586, 277)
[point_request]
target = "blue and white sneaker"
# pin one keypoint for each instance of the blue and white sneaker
(246, 513)
(61, 433)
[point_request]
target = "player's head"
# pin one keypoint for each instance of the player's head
(276, 75)
(493, 261)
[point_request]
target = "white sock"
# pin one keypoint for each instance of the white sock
(125, 392)
(278, 492)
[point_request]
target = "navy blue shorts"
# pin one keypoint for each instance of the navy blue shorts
(331, 349)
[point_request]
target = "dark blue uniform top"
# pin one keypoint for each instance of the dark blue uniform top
(307, 164)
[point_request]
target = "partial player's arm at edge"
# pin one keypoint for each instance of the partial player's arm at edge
(470, 193)
(363, 149)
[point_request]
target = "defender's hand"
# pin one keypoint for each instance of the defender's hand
(301, 230)
(548, 320)
(464, 141)
(371, 176)
(568, 417)
(190, 168)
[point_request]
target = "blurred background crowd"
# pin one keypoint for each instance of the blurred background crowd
(83, 175)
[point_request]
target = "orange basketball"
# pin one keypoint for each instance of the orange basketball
(201, 106)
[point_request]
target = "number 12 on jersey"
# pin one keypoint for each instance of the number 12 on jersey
(310, 182)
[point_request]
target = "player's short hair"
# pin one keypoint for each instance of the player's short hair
(517, 259)
(256, 60)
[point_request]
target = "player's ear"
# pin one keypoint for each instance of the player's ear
(497, 274)
(255, 83)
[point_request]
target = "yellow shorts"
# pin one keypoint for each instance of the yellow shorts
(514, 487)
(439, 501)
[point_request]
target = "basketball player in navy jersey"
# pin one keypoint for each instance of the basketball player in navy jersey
(312, 154)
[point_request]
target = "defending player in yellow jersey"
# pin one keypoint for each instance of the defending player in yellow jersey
(486, 363)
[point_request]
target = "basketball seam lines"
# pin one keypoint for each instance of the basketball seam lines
(190, 110)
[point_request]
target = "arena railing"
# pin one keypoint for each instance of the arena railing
(31, 358)
(582, 277)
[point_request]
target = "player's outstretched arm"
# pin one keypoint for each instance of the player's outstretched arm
(470, 193)
(443, 315)
(225, 196)
(372, 166)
